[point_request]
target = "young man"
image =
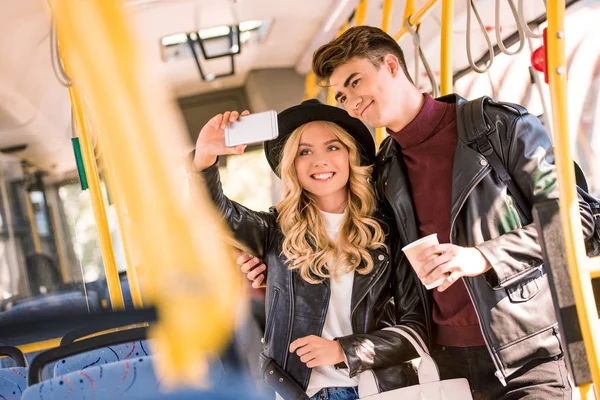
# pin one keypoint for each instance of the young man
(492, 319)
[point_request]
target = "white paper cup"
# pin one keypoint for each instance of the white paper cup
(415, 248)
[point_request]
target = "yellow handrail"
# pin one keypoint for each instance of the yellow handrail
(569, 205)
(38, 346)
(416, 17)
(190, 274)
(446, 76)
(409, 9)
(91, 171)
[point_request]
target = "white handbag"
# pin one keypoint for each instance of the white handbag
(430, 386)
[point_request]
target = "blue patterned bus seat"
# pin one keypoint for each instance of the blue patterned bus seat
(102, 356)
(13, 382)
(117, 380)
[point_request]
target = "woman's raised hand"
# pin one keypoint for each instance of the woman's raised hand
(211, 140)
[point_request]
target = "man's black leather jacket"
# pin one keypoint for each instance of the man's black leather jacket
(513, 300)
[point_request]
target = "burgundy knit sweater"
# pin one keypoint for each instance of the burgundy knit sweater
(428, 144)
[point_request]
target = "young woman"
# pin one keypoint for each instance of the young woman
(331, 274)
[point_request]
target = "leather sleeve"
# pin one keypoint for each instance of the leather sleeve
(529, 158)
(381, 348)
(252, 228)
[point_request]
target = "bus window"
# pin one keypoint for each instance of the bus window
(248, 179)
(510, 79)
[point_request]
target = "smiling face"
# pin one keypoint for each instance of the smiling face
(322, 166)
(368, 92)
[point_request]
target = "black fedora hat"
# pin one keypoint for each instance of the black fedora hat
(313, 110)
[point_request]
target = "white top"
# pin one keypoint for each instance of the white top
(337, 320)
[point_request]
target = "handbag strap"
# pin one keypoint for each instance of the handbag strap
(428, 370)
(414, 334)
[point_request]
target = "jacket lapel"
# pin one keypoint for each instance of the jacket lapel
(397, 190)
(363, 283)
(470, 124)
(310, 298)
(464, 173)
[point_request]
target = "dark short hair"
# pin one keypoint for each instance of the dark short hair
(361, 41)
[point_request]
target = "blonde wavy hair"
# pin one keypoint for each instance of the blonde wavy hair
(307, 246)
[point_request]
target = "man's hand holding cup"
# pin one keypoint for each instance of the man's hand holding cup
(440, 265)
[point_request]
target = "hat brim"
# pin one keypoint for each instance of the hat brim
(309, 111)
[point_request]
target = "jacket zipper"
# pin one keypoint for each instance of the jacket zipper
(291, 322)
(421, 287)
(320, 333)
(272, 307)
(498, 372)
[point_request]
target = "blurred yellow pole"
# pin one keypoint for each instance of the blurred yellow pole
(386, 18)
(416, 17)
(446, 48)
(386, 21)
(409, 10)
(91, 172)
(586, 392)
(190, 274)
(361, 13)
(311, 89)
(569, 205)
(330, 97)
(594, 267)
(34, 231)
(380, 135)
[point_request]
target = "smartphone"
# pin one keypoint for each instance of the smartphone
(252, 128)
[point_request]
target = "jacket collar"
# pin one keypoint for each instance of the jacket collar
(317, 295)
(363, 283)
(390, 148)
(471, 123)
(468, 163)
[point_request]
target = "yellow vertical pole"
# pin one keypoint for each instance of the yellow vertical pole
(380, 134)
(446, 86)
(586, 392)
(311, 88)
(190, 273)
(409, 10)
(361, 13)
(125, 231)
(91, 172)
(386, 18)
(34, 231)
(330, 97)
(569, 206)
(59, 250)
(415, 17)
(386, 21)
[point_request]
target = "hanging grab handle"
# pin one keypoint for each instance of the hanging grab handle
(497, 28)
(525, 26)
(417, 42)
(472, 9)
